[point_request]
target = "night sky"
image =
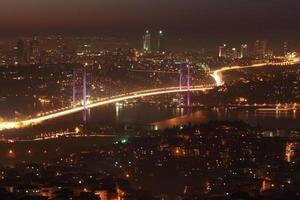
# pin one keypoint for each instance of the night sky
(229, 18)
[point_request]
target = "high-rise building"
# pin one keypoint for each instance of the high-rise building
(21, 52)
(285, 48)
(222, 51)
(147, 41)
(161, 41)
(244, 51)
(260, 48)
(34, 53)
(234, 53)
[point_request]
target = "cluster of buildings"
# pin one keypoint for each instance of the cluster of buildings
(61, 181)
(150, 46)
(55, 49)
(217, 160)
(93, 50)
(259, 50)
(26, 52)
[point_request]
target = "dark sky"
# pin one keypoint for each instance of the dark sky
(229, 18)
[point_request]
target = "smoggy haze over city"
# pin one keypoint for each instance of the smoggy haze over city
(246, 19)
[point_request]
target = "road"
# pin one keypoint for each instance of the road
(217, 74)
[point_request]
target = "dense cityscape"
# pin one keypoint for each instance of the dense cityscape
(156, 105)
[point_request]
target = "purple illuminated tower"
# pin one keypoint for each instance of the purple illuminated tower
(180, 88)
(188, 97)
(74, 89)
(84, 95)
(83, 92)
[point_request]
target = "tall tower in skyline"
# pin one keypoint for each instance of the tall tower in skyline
(147, 41)
(160, 41)
(21, 52)
(222, 51)
(234, 53)
(285, 48)
(244, 51)
(260, 48)
(34, 52)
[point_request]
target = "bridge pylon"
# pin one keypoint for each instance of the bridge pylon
(188, 95)
(84, 93)
(180, 88)
(185, 77)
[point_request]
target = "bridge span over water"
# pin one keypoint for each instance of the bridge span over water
(217, 75)
(69, 110)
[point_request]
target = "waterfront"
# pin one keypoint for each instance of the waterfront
(144, 114)
(167, 117)
(269, 120)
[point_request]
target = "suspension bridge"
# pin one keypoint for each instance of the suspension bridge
(128, 96)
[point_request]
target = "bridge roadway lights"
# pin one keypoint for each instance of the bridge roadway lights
(124, 97)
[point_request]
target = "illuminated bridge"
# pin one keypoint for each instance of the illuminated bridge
(128, 96)
(104, 101)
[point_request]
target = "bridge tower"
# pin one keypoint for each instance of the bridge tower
(180, 88)
(84, 94)
(188, 82)
(74, 89)
(185, 76)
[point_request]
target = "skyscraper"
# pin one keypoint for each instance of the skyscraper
(147, 41)
(160, 42)
(244, 51)
(285, 48)
(34, 51)
(222, 51)
(234, 53)
(21, 52)
(260, 48)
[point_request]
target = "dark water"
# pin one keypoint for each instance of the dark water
(140, 113)
(116, 116)
(165, 117)
(281, 120)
